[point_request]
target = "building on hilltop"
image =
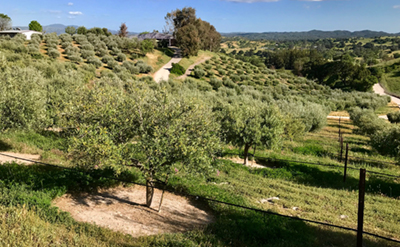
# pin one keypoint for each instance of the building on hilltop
(12, 33)
(162, 39)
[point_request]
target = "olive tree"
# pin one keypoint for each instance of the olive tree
(251, 124)
(152, 131)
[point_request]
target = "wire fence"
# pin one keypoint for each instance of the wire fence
(319, 164)
(264, 212)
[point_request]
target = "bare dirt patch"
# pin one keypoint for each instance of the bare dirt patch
(252, 164)
(121, 209)
(5, 158)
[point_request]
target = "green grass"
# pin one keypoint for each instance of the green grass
(26, 193)
(186, 62)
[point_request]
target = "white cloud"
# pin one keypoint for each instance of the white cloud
(70, 4)
(71, 17)
(396, 7)
(75, 13)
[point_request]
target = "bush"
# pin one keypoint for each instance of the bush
(87, 53)
(121, 57)
(87, 46)
(177, 69)
(75, 57)
(387, 141)
(71, 50)
(198, 73)
(394, 117)
(107, 59)
(53, 53)
(215, 83)
(367, 121)
(95, 61)
(101, 52)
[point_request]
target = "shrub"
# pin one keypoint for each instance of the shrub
(71, 50)
(95, 61)
(215, 83)
(75, 57)
(210, 73)
(87, 53)
(387, 141)
(64, 45)
(177, 69)
(121, 57)
(221, 72)
(394, 117)
(367, 121)
(53, 53)
(107, 59)
(198, 73)
(101, 52)
(87, 46)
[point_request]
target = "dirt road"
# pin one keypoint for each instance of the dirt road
(191, 67)
(163, 73)
(378, 89)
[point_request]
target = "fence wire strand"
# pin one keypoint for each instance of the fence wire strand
(218, 201)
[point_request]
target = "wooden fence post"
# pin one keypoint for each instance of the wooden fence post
(341, 149)
(345, 162)
(361, 196)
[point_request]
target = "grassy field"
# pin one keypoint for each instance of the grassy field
(304, 190)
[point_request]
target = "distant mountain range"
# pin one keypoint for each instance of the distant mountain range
(310, 35)
(307, 35)
(60, 28)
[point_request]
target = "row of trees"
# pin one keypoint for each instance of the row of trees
(192, 34)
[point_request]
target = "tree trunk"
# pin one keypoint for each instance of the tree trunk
(162, 195)
(149, 191)
(246, 153)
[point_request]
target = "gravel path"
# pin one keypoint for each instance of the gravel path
(191, 67)
(163, 73)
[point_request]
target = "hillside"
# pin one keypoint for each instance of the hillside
(310, 35)
(101, 126)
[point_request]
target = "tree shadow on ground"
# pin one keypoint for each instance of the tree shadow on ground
(314, 176)
(4, 146)
(235, 227)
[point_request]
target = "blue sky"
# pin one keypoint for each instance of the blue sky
(225, 15)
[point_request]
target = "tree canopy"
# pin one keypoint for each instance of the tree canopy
(150, 130)
(70, 30)
(35, 26)
(191, 33)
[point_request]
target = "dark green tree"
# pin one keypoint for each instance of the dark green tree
(82, 30)
(70, 30)
(35, 26)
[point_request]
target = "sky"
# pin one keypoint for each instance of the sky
(225, 15)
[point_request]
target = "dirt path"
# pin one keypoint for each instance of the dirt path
(120, 209)
(191, 67)
(5, 158)
(163, 73)
(378, 89)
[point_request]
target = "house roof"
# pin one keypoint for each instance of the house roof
(155, 36)
(18, 31)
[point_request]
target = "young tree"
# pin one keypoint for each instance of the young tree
(81, 30)
(123, 30)
(250, 125)
(153, 131)
(70, 30)
(5, 22)
(35, 26)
